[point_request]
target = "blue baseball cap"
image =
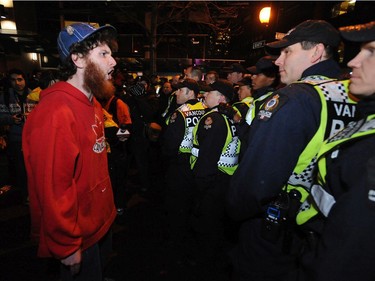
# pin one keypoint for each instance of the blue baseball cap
(75, 33)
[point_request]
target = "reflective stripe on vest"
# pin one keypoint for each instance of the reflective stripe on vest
(170, 99)
(333, 95)
(248, 101)
(191, 114)
(362, 128)
(228, 161)
(250, 115)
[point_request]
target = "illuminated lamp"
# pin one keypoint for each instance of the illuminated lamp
(264, 15)
(34, 57)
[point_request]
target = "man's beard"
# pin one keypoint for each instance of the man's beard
(95, 82)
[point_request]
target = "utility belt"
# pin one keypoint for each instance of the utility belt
(279, 221)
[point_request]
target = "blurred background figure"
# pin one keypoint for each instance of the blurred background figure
(14, 108)
(244, 96)
(35, 78)
(144, 108)
(235, 73)
(167, 101)
(211, 77)
(117, 116)
(47, 78)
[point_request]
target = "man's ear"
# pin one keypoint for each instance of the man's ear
(318, 53)
(223, 99)
(78, 60)
(191, 94)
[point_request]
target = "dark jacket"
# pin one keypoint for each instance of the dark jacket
(274, 146)
(15, 104)
(346, 250)
(143, 110)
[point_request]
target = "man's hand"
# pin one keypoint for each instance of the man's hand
(17, 118)
(137, 90)
(73, 261)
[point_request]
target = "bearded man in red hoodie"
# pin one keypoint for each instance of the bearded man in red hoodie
(71, 199)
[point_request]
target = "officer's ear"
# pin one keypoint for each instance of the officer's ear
(223, 98)
(318, 53)
(190, 93)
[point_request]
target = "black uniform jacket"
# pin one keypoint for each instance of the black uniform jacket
(212, 133)
(243, 127)
(274, 145)
(347, 249)
(174, 134)
(273, 148)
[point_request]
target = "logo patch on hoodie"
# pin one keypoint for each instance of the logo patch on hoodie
(98, 129)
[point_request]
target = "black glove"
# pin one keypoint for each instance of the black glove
(137, 90)
(227, 110)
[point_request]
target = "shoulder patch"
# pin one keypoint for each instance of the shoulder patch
(173, 117)
(272, 103)
(208, 122)
(271, 106)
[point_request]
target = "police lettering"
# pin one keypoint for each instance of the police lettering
(192, 121)
(233, 129)
(337, 125)
(194, 113)
(344, 110)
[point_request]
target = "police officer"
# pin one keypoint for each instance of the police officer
(235, 73)
(244, 96)
(252, 92)
(284, 138)
(264, 80)
(214, 159)
(176, 146)
(345, 187)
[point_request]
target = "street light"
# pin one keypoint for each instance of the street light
(264, 15)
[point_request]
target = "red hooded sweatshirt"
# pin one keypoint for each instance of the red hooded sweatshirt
(71, 200)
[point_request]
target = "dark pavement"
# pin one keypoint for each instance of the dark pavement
(139, 243)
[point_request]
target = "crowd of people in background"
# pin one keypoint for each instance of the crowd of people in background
(257, 160)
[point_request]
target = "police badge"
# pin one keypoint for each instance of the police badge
(271, 106)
